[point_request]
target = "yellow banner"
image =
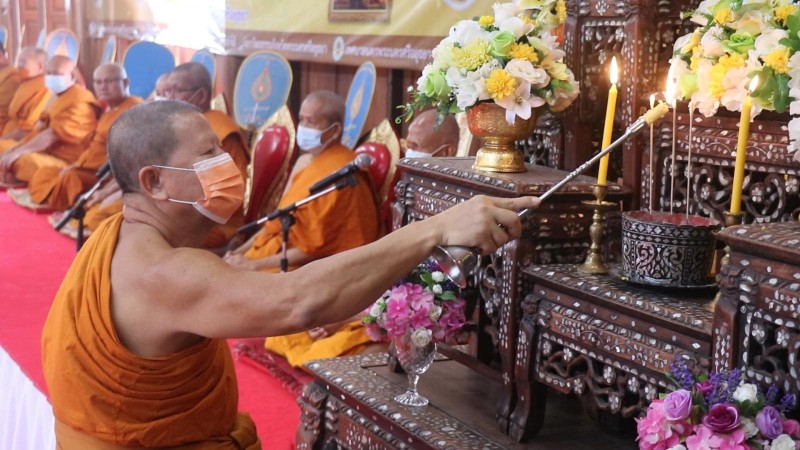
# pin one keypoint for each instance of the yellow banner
(390, 33)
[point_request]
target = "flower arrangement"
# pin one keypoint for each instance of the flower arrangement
(735, 41)
(722, 412)
(424, 304)
(511, 59)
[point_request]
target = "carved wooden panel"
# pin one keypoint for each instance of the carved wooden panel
(761, 296)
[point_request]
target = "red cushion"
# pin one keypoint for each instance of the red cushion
(381, 162)
(268, 157)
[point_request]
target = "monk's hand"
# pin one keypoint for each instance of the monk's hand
(324, 331)
(483, 222)
(7, 160)
(239, 261)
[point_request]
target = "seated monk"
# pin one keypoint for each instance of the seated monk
(341, 220)
(10, 80)
(191, 83)
(133, 349)
(58, 188)
(29, 100)
(69, 124)
(106, 201)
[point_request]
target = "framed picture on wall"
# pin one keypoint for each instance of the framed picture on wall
(359, 10)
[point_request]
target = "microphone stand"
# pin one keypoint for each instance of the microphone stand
(287, 219)
(77, 211)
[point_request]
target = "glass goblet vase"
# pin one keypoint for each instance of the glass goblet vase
(414, 360)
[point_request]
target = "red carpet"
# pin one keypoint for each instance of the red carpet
(34, 259)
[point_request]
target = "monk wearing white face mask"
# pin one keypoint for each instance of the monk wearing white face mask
(63, 132)
(339, 221)
(425, 140)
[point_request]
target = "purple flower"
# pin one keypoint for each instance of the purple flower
(682, 373)
(722, 418)
(704, 388)
(788, 403)
(678, 404)
(769, 422)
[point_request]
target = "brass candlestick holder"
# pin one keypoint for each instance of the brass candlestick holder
(730, 219)
(594, 260)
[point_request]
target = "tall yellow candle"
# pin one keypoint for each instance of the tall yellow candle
(741, 151)
(602, 173)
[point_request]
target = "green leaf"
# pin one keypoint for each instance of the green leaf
(792, 43)
(793, 23)
(448, 295)
(781, 97)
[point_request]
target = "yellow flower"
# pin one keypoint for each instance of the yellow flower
(732, 61)
(523, 51)
(528, 20)
(697, 55)
(558, 70)
(778, 60)
(715, 84)
(783, 12)
(693, 42)
(472, 55)
(561, 11)
(485, 21)
(723, 16)
(500, 84)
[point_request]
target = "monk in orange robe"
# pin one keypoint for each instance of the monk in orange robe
(57, 188)
(339, 221)
(10, 80)
(191, 83)
(69, 124)
(29, 100)
(133, 351)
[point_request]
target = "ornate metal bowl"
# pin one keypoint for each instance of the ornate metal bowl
(665, 249)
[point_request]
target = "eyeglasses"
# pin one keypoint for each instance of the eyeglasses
(108, 80)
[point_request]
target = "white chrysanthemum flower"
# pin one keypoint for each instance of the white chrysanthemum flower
(437, 289)
(436, 312)
(376, 310)
(783, 442)
(749, 427)
(438, 276)
(769, 40)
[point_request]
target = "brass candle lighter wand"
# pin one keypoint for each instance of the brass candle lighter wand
(457, 261)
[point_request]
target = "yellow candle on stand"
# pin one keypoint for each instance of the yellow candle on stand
(741, 151)
(602, 173)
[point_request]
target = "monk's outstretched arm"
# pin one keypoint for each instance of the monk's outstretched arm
(231, 303)
(39, 143)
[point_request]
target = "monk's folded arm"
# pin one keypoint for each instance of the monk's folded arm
(40, 142)
(214, 300)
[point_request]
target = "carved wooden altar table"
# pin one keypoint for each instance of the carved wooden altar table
(603, 338)
(557, 232)
(349, 405)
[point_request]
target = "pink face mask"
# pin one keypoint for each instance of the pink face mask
(222, 184)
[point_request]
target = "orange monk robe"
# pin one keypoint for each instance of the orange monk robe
(26, 107)
(58, 190)
(73, 118)
(233, 142)
(338, 221)
(101, 390)
(9, 83)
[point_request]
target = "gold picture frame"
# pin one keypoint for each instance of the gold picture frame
(359, 10)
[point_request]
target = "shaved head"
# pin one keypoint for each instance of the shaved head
(32, 61)
(424, 136)
(59, 65)
(330, 106)
(111, 83)
(162, 83)
(144, 135)
(191, 83)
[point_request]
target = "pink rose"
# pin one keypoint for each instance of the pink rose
(722, 418)
(704, 387)
(678, 405)
(792, 428)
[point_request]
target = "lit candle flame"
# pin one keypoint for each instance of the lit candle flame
(669, 94)
(614, 71)
(753, 85)
(652, 101)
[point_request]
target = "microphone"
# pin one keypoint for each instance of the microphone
(362, 162)
(103, 170)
